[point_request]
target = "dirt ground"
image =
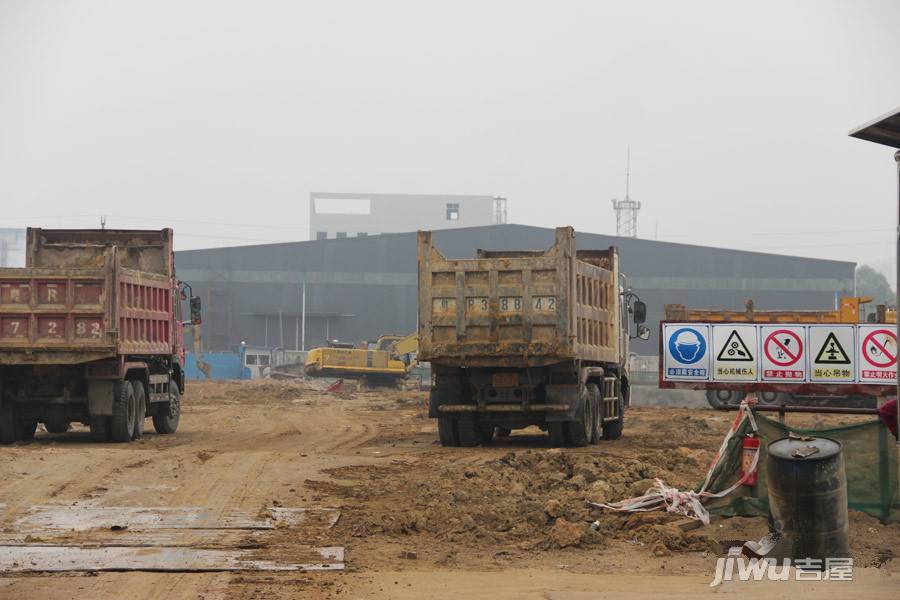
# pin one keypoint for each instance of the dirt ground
(417, 520)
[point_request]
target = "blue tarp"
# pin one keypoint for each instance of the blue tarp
(225, 365)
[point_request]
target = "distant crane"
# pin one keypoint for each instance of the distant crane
(627, 209)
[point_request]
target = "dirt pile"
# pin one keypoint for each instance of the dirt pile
(529, 499)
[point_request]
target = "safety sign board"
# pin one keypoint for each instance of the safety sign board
(877, 353)
(783, 353)
(832, 356)
(686, 350)
(735, 350)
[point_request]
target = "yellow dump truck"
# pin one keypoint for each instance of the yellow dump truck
(527, 338)
(386, 363)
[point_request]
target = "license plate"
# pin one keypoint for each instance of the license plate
(505, 379)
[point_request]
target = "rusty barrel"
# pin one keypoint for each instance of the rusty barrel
(808, 497)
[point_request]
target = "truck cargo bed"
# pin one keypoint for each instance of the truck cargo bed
(519, 309)
(79, 300)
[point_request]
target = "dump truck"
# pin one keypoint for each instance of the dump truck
(850, 309)
(91, 332)
(527, 338)
(386, 361)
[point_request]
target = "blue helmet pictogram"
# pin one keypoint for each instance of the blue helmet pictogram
(687, 346)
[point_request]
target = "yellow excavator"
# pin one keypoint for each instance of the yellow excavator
(386, 361)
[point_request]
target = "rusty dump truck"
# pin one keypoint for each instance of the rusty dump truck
(527, 338)
(91, 332)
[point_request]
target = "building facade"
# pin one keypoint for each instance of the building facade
(336, 215)
(362, 287)
(12, 247)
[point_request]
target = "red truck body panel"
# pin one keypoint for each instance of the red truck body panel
(87, 295)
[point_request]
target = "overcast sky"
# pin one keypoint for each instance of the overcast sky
(219, 118)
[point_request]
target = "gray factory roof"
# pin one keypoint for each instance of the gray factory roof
(390, 259)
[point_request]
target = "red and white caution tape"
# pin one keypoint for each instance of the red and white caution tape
(689, 503)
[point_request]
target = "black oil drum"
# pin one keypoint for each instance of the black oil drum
(808, 498)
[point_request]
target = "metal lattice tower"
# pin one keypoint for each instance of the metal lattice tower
(627, 209)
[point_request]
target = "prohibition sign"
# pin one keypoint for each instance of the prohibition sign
(870, 339)
(792, 355)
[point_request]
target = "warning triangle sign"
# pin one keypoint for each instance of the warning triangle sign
(735, 349)
(832, 352)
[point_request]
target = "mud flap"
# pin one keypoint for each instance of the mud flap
(564, 394)
(101, 394)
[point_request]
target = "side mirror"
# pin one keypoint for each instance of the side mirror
(643, 332)
(640, 311)
(196, 318)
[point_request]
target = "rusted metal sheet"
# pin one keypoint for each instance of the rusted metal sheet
(44, 517)
(519, 308)
(148, 251)
(108, 538)
(87, 295)
(15, 559)
(850, 311)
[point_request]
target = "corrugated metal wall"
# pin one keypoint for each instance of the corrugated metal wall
(360, 288)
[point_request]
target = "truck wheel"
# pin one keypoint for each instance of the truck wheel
(9, 423)
(169, 413)
(27, 429)
(122, 422)
(502, 432)
(140, 410)
(558, 434)
(447, 431)
(56, 426)
(596, 412)
(579, 429)
(772, 398)
(467, 431)
(612, 430)
(722, 399)
(99, 428)
(485, 434)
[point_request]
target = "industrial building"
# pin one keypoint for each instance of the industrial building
(337, 215)
(359, 288)
(12, 247)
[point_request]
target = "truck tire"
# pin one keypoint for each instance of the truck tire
(485, 433)
(168, 414)
(447, 431)
(99, 428)
(27, 429)
(467, 431)
(558, 434)
(122, 421)
(722, 399)
(612, 430)
(579, 429)
(9, 423)
(140, 409)
(596, 412)
(56, 426)
(772, 398)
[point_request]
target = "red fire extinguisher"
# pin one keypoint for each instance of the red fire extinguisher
(749, 450)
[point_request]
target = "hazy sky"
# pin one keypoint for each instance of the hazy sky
(219, 118)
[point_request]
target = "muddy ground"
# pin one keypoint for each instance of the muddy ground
(417, 520)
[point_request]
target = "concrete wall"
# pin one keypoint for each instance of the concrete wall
(360, 288)
(393, 213)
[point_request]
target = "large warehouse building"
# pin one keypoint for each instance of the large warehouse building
(360, 288)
